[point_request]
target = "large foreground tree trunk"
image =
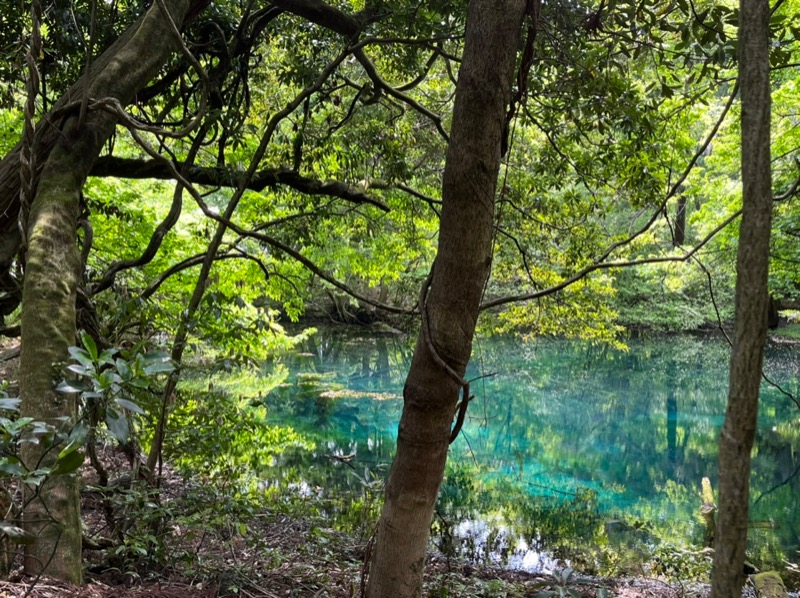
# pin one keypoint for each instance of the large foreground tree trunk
(53, 272)
(736, 439)
(451, 304)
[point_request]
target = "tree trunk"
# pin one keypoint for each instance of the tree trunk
(680, 222)
(48, 129)
(750, 329)
(52, 276)
(48, 328)
(459, 274)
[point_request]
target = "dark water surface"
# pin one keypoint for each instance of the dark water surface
(567, 445)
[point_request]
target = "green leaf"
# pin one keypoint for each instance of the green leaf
(10, 404)
(566, 574)
(79, 369)
(123, 368)
(162, 367)
(118, 425)
(107, 379)
(16, 534)
(68, 463)
(69, 386)
(89, 344)
(107, 357)
(155, 356)
(77, 438)
(82, 356)
(129, 405)
(12, 467)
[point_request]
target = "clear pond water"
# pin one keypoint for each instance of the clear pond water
(567, 447)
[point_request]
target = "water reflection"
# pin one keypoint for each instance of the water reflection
(562, 436)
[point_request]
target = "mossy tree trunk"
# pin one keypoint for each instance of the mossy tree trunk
(750, 329)
(53, 272)
(451, 304)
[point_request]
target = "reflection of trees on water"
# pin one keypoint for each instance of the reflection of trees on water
(380, 357)
(631, 425)
(343, 391)
(599, 414)
(553, 418)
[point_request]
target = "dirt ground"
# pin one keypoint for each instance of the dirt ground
(274, 585)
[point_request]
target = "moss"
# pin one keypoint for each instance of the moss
(769, 585)
(791, 331)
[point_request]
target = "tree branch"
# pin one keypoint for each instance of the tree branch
(128, 168)
(380, 84)
(602, 265)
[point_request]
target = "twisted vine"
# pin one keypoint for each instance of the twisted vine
(461, 408)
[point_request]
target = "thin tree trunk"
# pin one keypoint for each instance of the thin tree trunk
(52, 275)
(680, 222)
(750, 331)
(451, 307)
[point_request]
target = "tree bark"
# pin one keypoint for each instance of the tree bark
(48, 328)
(680, 222)
(451, 307)
(750, 328)
(52, 276)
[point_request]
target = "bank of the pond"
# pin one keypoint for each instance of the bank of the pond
(220, 543)
(572, 452)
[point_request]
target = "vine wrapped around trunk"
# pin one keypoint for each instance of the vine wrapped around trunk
(451, 306)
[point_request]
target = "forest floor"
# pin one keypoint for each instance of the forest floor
(208, 550)
(278, 555)
(281, 556)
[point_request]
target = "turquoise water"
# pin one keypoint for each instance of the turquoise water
(566, 445)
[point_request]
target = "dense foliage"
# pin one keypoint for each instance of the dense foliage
(286, 165)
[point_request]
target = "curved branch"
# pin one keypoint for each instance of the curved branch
(324, 15)
(791, 191)
(380, 84)
(432, 202)
(160, 231)
(608, 265)
(129, 168)
(189, 262)
(601, 264)
(422, 76)
(296, 255)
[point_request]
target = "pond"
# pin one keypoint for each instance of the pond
(570, 452)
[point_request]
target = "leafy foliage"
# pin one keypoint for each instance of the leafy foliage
(110, 386)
